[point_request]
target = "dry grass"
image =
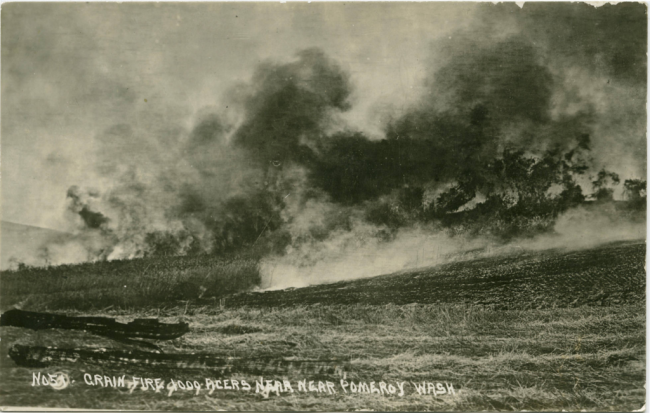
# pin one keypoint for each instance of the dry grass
(587, 356)
(133, 284)
(573, 359)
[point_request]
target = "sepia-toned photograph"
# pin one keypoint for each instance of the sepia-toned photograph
(329, 206)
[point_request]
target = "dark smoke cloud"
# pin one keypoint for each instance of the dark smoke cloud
(611, 39)
(290, 106)
(508, 79)
(598, 57)
(499, 146)
(78, 205)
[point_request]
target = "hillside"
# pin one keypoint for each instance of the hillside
(612, 274)
(552, 330)
(18, 241)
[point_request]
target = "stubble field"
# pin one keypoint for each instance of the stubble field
(548, 330)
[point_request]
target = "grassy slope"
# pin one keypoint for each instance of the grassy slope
(610, 274)
(17, 239)
(132, 284)
(588, 357)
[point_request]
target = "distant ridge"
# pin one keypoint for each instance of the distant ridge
(12, 226)
(22, 242)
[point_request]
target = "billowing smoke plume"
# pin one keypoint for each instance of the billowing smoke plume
(534, 117)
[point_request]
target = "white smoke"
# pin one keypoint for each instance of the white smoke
(361, 252)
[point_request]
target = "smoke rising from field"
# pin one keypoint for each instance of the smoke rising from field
(501, 150)
(362, 252)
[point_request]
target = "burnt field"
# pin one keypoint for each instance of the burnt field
(547, 330)
(609, 275)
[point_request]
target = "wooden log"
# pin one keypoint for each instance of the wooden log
(36, 356)
(139, 328)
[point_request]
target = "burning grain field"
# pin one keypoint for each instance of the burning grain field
(547, 330)
(336, 206)
(599, 276)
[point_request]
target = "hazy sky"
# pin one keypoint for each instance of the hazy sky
(70, 71)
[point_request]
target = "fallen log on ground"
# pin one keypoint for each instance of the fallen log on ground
(36, 356)
(138, 328)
